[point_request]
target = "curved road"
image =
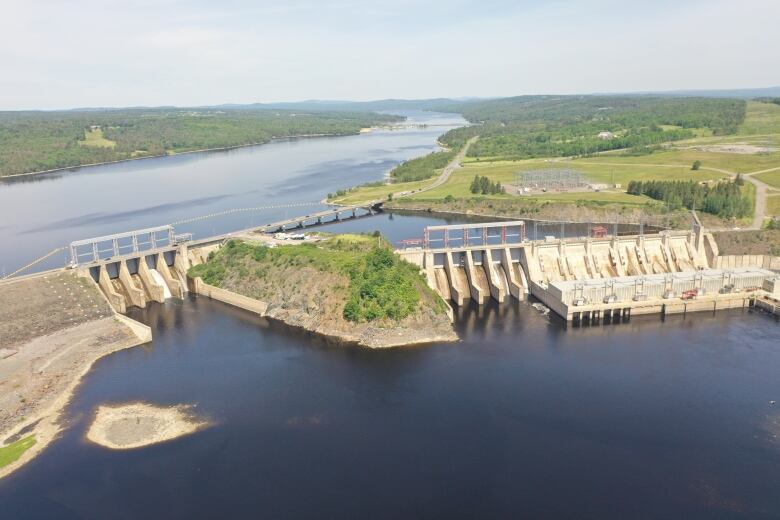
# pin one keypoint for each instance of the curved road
(446, 172)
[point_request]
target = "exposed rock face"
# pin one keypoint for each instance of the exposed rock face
(425, 327)
(306, 297)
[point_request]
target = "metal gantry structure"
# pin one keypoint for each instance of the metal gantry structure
(93, 250)
(474, 235)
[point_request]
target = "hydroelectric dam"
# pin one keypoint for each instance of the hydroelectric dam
(585, 279)
(581, 279)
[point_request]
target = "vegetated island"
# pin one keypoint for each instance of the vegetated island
(349, 287)
(136, 425)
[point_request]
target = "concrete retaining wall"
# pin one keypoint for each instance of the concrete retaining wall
(198, 286)
(734, 261)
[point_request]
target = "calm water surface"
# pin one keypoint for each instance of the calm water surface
(42, 212)
(525, 417)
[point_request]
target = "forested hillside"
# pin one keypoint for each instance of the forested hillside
(553, 126)
(35, 141)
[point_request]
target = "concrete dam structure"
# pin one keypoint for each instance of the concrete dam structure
(585, 279)
(580, 279)
(137, 267)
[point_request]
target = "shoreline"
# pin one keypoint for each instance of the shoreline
(429, 211)
(138, 424)
(45, 424)
(362, 131)
(292, 318)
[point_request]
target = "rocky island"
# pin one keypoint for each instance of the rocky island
(349, 287)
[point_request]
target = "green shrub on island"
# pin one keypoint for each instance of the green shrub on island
(381, 284)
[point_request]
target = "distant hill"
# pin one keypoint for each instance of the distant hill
(355, 106)
(740, 93)
(441, 104)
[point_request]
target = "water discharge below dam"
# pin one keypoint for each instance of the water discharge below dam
(643, 418)
(524, 416)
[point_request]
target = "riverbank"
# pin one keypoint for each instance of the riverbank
(551, 213)
(350, 288)
(53, 328)
(202, 150)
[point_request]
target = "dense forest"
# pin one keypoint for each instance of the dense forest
(421, 168)
(553, 126)
(35, 141)
(775, 100)
(724, 199)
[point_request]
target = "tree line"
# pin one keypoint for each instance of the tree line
(553, 126)
(421, 168)
(483, 185)
(35, 141)
(724, 199)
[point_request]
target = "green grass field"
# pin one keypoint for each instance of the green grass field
(13, 451)
(773, 205)
(771, 178)
(761, 118)
(684, 158)
(504, 172)
(761, 128)
(95, 138)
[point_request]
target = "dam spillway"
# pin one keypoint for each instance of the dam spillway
(587, 278)
(580, 278)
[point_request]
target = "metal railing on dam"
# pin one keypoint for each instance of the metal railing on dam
(160, 239)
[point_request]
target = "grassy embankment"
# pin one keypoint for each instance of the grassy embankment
(12, 452)
(355, 278)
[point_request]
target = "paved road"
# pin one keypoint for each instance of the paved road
(446, 172)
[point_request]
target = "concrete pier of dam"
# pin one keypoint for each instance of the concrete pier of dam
(580, 279)
(588, 278)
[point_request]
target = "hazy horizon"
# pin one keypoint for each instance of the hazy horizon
(191, 53)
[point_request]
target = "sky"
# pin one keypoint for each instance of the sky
(85, 53)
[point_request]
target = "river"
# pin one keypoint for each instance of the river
(525, 416)
(42, 212)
